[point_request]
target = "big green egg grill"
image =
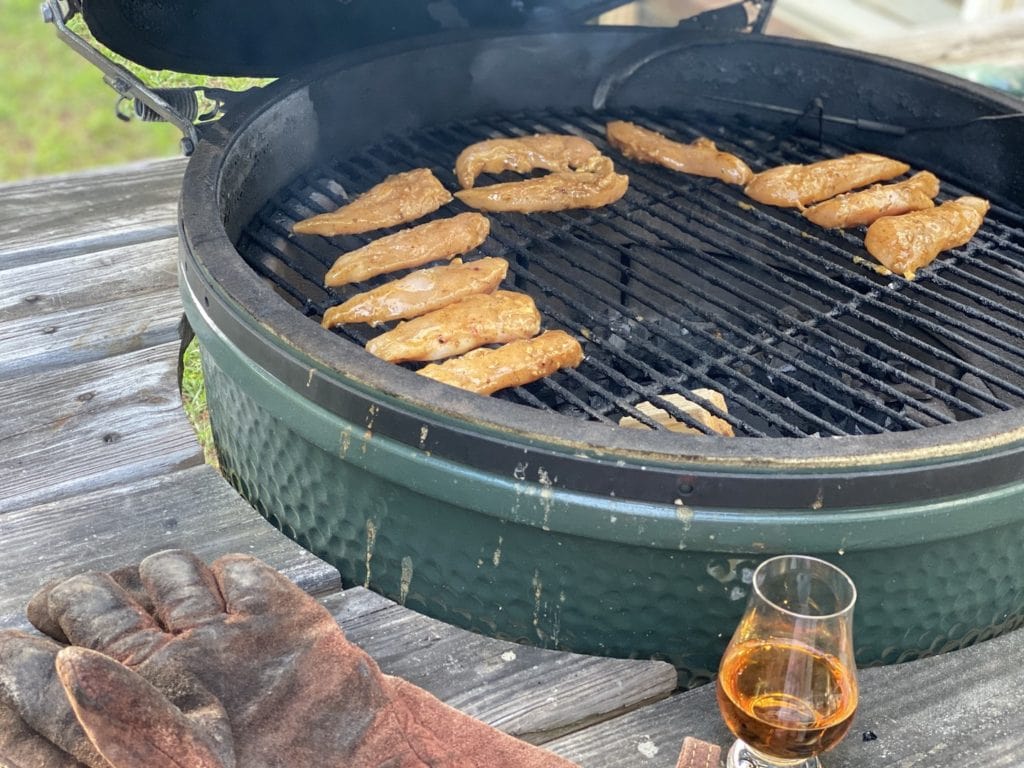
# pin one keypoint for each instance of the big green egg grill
(879, 421)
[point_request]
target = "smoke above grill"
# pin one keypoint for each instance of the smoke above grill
(685, 284)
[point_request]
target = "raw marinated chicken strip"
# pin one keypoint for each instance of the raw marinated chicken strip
(794, 186)
(906, 243)
(596, 184)
(700, 158)
(485, 371)
(860, 208)
(698, 413)
(419, 292)
(546, 151)
(398, 199)
(491, 318)
(409, 248)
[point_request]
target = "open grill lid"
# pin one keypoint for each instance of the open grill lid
(224, 37)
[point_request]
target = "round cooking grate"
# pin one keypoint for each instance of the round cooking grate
(685, 283)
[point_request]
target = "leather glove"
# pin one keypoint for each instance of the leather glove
(216, 667)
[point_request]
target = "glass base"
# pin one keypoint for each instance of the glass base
(742, 755)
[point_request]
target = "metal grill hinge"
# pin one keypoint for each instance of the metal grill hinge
(178, 106)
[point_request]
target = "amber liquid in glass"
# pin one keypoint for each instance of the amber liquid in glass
(753, 694)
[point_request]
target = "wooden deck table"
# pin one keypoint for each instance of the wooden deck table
(99, 467)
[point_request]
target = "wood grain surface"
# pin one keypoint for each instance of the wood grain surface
(62, 216)
(957, 710)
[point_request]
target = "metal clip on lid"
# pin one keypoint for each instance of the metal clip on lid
(178, 106)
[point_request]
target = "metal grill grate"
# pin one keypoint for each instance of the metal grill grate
(685, 284)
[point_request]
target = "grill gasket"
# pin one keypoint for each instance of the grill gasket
(708, 220)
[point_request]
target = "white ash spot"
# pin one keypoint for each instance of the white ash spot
(403, 585)
(496, 557)
(647, 748)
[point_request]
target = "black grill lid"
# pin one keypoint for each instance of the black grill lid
(268, 39)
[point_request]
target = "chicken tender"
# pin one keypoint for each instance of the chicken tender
(419, 292)
(485, 371)
(699, 158)
(490, 318)
(595, 185)
(861, 208)
(399, 199)
(795, 186)
(414, 247)
(546, 151)
(906, 243)
(698, 413)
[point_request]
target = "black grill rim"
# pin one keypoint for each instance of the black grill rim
(495, 436)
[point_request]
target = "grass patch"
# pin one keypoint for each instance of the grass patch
(57, 114)
(193, 397)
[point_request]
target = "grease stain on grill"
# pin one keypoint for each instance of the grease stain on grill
(405, 580)
(371, 544)
(684, 284)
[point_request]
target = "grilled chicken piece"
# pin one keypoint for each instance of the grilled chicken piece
(400, 198)
(795, 186)
(596, 184)
(860, 208)
(696, 412)
(547, 151)
(906, 243)
(414, 247)
(419, 292)
(699, 158)
(485, 371)
(489, 318)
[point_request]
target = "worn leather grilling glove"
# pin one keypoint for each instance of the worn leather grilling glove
(217, 667)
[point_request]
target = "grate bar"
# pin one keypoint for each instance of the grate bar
(676, 287)
(919, 285)
(872, 299)
(641, 171)
(840, 309)
(807, 255)
(510, 243)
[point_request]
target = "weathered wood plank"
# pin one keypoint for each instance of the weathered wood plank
(529, 692)
(91, 426)
(57, 216)
(194, 509)
(88, 279)
(48, 341)
(958, 710)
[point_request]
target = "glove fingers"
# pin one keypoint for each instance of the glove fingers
(96, 613)
(252, 587)
(38, 612)
(38, 609)
(183, 588)
(29, 686)
(128, 579)
(130, 722)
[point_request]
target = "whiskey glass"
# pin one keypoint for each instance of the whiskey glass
(787, 685)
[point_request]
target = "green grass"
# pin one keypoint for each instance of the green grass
(193, 397)
(57, 114)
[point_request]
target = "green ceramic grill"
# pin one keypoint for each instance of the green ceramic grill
(878, 421)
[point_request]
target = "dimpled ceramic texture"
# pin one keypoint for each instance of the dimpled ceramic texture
(556, 590)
